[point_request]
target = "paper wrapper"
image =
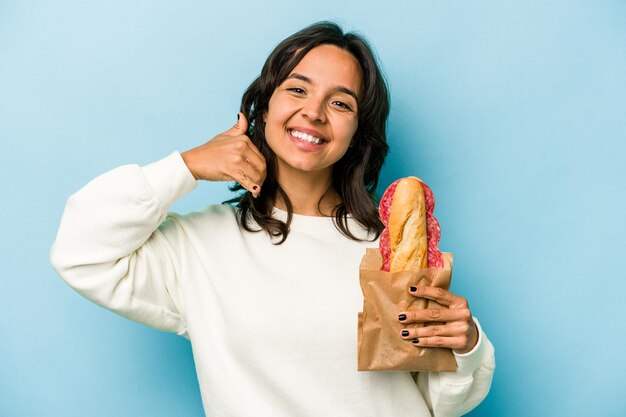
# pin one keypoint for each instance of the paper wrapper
(385, 295)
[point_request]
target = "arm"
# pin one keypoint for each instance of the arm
(113, 246)
(456, 393)
(451, 393)
(116, 247)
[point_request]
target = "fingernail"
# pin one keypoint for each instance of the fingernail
(237, 116)
(415, 340)
(402, 317)
(405, 333)
(413, 289)
(255, 187)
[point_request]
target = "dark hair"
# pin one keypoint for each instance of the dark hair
(355, 175)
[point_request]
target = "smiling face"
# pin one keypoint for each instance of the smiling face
(313, 115)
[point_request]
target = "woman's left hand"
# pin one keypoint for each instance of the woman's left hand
(457, 331)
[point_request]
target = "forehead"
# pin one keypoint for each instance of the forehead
(330, 66)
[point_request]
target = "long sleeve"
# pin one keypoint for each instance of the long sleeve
(203, 277)
(115, 247)
(450, 394)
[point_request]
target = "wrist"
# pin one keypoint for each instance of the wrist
(472, 340)
(188, 159)
(169, 179)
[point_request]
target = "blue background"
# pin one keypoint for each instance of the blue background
(513, 113)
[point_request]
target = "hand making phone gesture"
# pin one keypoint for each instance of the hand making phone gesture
(229, 156)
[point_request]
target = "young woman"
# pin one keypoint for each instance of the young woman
(266, 287)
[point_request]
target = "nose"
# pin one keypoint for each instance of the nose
(314, 109)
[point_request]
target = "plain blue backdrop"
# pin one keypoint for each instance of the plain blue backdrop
(513, 113)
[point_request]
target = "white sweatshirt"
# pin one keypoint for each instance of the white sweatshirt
(273, 328)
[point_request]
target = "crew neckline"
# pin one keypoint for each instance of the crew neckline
(316, 225)
(284, 212)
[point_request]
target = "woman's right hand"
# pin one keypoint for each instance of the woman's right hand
(229, 156)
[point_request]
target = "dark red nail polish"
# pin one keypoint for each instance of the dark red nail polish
(254, 187)
(413, 289)
(415, 340)
(402, 317)
(237, 116)
(405, 333)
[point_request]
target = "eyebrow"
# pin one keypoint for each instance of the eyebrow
(339, 88)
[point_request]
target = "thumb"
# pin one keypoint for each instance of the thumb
(241, 127)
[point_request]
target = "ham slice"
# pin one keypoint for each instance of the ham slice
(433, 230)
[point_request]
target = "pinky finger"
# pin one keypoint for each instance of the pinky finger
(248, 184)
(440, 341)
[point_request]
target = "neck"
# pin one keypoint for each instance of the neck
(311, 194)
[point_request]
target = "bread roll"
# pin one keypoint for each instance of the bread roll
(407, 227)
(412, 232)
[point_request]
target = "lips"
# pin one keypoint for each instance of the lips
(308, 131)
(306, 144)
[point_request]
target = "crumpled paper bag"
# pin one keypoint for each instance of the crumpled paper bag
(385, 295)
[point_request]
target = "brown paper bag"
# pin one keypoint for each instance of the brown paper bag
(385, 294)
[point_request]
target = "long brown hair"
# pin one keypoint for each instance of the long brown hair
(355, 175)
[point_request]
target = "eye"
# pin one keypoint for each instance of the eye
(296, 90)
(344, 105)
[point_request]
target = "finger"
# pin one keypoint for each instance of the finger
(439, 295)
(241, 145)
(450, 329)
(246, 149)
(242, 165)
(434, 314)
(239, 175)
(254, 149)
(256, 162)
(253, 167)
(248, 171)
(457, 342)
(240, 128)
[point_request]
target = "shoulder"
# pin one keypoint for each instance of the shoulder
(213, 217)
(210, 213)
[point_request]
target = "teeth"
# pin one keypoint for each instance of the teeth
(305, 137)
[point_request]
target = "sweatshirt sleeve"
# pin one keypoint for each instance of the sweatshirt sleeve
(114, 244)
(450, 394)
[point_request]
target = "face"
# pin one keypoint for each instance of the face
(312, 115)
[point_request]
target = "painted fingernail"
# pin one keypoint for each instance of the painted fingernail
(405, 333)
(255, 187)
(402, 317)
(413, 289)
(415, 340)
(237, 116)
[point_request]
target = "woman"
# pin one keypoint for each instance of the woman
(267, 288)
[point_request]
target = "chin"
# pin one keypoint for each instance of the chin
(304, 166)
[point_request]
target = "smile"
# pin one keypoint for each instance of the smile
(305, 137)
